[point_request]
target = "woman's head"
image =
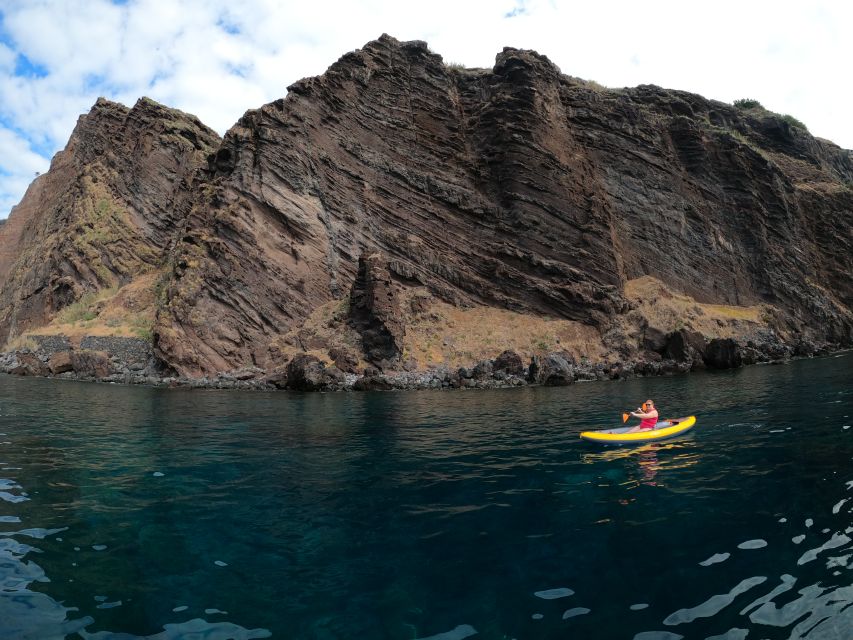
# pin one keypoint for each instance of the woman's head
(648, 405)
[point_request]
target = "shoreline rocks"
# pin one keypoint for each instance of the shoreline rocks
(306, 372)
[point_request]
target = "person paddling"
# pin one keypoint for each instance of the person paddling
(648, 416)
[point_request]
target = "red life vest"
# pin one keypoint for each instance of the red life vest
(648, 423)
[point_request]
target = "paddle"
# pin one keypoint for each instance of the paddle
(625, 416)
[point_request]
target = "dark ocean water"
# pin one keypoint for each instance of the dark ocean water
(391, 516)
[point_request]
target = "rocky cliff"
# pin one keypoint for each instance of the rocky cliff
(590, 220)
(105, 214)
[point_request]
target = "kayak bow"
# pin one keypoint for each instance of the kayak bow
(624, 435)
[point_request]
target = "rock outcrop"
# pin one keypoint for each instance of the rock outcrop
(552, 370)
(723, 353)
(375, 312)
(307, 373)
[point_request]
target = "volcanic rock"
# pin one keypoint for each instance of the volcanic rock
(308, 373)
(552, 370)
(654, 340)
(91, 364)
(372, 383)
(510, 363)
(28, 364)
(685, 346)
(277, 377)
(344, 359)
(723, 353)
(60, 362)
(482, 370)
(375, 311)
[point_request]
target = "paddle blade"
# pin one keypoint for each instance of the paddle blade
(625, 417)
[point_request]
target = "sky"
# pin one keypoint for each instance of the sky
(218, 58)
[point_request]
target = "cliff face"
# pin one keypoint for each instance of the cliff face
(104, 214)
(516, 187)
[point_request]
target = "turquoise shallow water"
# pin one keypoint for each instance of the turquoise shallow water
(133, 512)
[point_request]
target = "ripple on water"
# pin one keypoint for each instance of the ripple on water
(11, 497)
(36, 532)
(825, 611)
(657, 635)
(574, 612)
(716, 558)
(838, 561)
(731, 634)
(195, 628)
(758, 543)
(837, 540)
(459, 633)
(713, 605)
(786, 585)
(553, 594)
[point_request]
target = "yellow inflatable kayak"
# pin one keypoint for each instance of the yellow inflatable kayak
(625, 435)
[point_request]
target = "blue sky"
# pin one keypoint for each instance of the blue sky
(218, 58)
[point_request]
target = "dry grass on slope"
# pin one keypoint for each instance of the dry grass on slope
(443, 334)
(123, 312)
(668, 310)
(457, 337)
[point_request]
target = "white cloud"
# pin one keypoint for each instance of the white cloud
(16, 155)
(218, 58)
(18, 166)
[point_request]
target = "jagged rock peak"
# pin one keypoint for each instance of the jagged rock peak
(109, 125)
(528, 57)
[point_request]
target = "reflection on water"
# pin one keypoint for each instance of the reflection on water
(649, 459)
(143, 513)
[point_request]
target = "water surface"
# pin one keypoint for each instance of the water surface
(189, 514)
